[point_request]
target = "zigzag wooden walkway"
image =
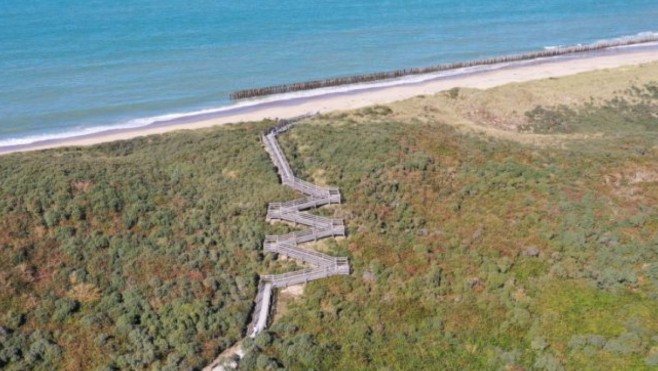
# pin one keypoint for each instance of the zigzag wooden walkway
(322, 265)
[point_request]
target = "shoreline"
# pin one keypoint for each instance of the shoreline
(493, 61)
(362, 95)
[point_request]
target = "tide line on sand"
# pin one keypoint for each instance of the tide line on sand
(378, 76)
(358, 95)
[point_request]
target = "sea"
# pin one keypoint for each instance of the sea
(71, 67)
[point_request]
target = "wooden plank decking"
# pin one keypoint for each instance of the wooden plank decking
(322, 265)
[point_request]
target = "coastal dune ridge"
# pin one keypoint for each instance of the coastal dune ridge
(551, 62)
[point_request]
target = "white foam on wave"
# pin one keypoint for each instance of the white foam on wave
(305, 94)
(131, 124)
(629, 38)
(251, 103)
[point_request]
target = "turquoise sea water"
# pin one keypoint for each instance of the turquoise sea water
(70, 67)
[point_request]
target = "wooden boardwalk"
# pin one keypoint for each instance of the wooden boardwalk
(320, 227)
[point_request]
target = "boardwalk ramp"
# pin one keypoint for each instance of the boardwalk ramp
(320, 265)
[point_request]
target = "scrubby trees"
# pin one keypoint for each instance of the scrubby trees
(477, 253)
(468, 252)
(143, 252)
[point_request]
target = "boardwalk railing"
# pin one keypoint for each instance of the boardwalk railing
(277, 157)
(306, 275)
(309, 235)
(298, 204)
(312, 190)
(303, 218)
(288, 244)
(312, 257)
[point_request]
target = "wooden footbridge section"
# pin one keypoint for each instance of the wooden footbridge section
(321, 265)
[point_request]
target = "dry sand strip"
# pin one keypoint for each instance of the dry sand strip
(540, 69)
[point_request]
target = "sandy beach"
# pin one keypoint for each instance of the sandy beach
(332, 101)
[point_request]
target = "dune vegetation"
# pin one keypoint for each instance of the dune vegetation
(133, 254)
(513, 228)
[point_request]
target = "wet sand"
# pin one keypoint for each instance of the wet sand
(366, 95)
